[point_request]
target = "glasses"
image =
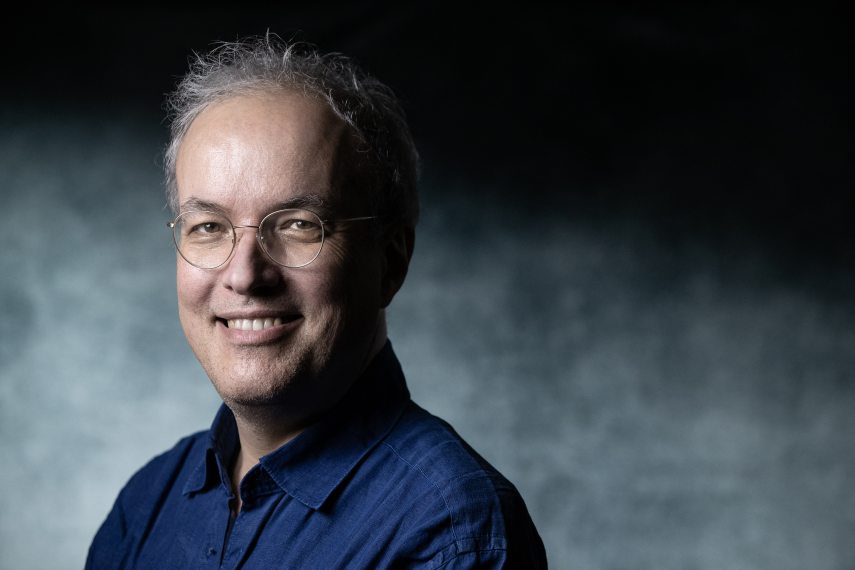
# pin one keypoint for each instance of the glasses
(291, 238)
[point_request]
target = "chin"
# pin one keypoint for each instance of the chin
(254, 379)
(254, 392)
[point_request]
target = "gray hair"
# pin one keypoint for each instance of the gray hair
(386, 152)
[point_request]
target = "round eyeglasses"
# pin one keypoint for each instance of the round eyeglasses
(291, 238)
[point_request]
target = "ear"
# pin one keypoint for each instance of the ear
(397, 247)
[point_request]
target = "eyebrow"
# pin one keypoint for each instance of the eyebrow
(194, 204)
(316, 202)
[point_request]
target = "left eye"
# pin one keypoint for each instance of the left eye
(297, 230)
(298, 225)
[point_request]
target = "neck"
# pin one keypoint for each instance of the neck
(258, 437)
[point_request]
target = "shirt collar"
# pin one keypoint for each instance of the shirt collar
(312, 465)
(223, 445)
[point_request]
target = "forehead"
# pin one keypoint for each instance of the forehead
(260, 148)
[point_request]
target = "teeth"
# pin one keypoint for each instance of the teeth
(253, 324)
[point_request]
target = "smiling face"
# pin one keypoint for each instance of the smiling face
(266, 334)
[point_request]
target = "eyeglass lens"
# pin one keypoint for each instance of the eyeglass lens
(292, 238)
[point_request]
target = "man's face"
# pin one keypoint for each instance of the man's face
(248, 156)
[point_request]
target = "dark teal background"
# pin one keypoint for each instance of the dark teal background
(633, 288)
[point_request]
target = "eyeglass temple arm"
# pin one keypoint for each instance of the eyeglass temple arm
(350, 219)
(171, 224)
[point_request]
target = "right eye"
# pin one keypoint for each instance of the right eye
(207, 228)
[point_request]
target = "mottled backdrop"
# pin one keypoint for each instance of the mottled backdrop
(633, 287)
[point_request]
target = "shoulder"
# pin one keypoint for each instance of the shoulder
(139, 502)
(185, 450)
(163, 472)
(434, 451)
(474, 512)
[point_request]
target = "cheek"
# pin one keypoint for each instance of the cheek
(192, 286)
(342, 286)
(352, 271)
(357, 283)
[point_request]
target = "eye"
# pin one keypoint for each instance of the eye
(207, 228)
(204, 227)
(301, 225)
(293, 226)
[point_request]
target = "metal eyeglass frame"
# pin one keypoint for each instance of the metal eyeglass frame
(258, 237)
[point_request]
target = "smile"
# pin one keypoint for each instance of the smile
(253, 324)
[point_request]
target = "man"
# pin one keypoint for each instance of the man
(292, 178)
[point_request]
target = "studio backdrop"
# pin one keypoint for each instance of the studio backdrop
(633, 287)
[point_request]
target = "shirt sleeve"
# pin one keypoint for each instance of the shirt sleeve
(117, 543)
(107, 547)
(531, 558)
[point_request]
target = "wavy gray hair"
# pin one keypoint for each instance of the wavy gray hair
(386, 155)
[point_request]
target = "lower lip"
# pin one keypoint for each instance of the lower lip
(266, 336)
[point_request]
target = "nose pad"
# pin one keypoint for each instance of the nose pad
(247, 271)
(256, 237)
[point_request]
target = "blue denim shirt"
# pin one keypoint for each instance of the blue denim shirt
(377, 483)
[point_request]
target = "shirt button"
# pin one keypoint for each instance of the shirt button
(212, 551)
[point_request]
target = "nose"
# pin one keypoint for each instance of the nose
(249, 271)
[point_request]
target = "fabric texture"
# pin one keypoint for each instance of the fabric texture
(377, 483)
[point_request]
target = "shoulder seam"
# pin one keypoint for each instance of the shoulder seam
(431, 482)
